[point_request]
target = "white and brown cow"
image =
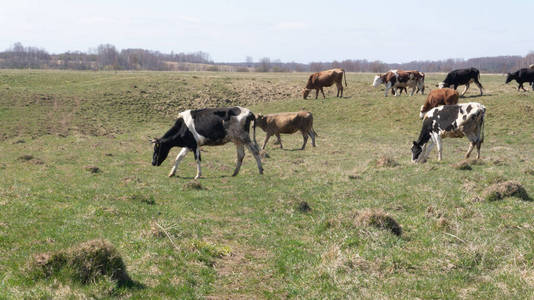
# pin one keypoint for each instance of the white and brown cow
(466, 119)
(396, 79)
(287, 122)
(444, 96)
(210, 127)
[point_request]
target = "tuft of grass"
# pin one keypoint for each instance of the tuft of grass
(462, 165)
(304, 207)
(378, 219)
(86, 263)
(93, 169)
(384, 162)
(501, 190)
(193, 185)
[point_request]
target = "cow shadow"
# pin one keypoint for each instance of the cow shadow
(476, 96)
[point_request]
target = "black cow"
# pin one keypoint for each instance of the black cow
(521, 76)
(462, 77)
(210, 127)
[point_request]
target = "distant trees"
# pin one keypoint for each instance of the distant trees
(107, 57)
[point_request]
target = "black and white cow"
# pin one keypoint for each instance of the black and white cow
(462, 77)
(521, 76)
(466, 119)
(209, 127)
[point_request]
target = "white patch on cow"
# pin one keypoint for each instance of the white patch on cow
(441, 85)
(189, 122)
(377, 81)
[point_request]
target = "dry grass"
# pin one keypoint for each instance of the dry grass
(385, 162)
(504, 189)
(86, 263)
(193, 185)
(378, 219)
(462, 165)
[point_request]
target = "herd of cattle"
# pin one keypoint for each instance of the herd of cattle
(441, 114)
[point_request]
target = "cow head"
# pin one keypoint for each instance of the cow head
(377, 81)
(305, 93)
(421, 112)
(416, 152)
(442, 85)
(509, 77)
(161, 151)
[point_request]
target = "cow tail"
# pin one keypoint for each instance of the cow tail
(345, 75)
(252, 118)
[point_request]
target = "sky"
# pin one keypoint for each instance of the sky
(299, 31)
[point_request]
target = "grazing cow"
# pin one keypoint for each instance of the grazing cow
(287, 122)
(521, 76)
(398, 79)
(444, 96)
(462, 77)
(325, 78)
(210, 127)
(466, 119)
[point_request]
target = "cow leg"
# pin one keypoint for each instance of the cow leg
(437, 140)
(177, 161)
(256, 154)
(522, 87)
(479, 86)
(468, 153)
(312, 135)
(305, 138)
(324, 97)
(413, 91)
(479, 143)
(197, 158)
(240, 154)
(267, 136)
(279, 140)
(465, 90)
(388, 86)
(427, 148)
(316, 93)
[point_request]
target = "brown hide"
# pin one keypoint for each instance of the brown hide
(325, 79)
(444, 96)
(287, 122)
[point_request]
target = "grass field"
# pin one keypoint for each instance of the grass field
(249, 236)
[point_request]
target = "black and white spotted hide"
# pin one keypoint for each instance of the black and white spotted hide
(207, 127)
(466, 119)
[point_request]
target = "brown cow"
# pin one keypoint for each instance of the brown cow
(287, 122)
(444, 96)
(325, 78)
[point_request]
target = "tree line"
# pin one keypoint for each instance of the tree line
(107, 57)
(104, 57)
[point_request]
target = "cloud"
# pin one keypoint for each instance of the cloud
(290, 25)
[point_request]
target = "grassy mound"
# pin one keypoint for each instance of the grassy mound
(378, 219)
(85, 263)
(504, 189)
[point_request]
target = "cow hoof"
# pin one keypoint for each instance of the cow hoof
(171, 174)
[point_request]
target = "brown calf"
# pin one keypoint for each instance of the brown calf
(444, 96)
(287, 122)
(325, 78)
